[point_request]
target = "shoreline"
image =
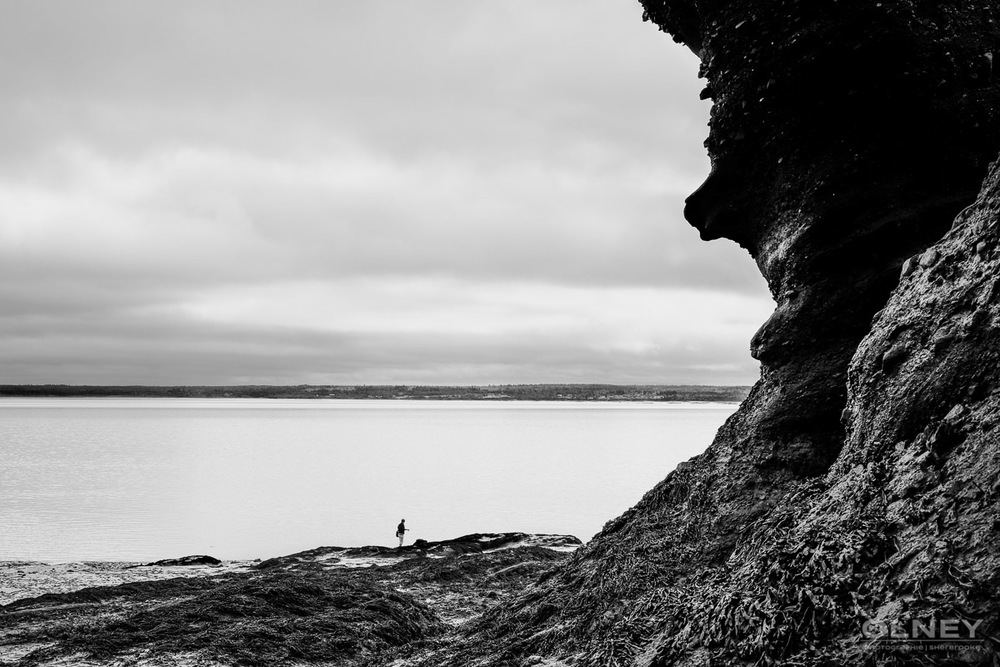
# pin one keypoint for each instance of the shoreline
(603, 393)
(21, 579)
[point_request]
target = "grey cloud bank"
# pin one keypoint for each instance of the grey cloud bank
(343, 192)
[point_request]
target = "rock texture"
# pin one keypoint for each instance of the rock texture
(328, 606)
(858, 481)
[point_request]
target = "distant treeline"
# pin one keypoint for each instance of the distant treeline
(507, 392)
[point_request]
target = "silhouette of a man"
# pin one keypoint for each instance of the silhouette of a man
(401, 531)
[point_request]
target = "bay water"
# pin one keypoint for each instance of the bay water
(144, 479)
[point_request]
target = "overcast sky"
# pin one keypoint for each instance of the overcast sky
(219, 192)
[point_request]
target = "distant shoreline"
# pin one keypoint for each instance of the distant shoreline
(515, 392)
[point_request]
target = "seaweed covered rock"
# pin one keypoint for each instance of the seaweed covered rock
(276, 618)
(855, 488)
(922, 445)
(327, 606)
(476, 543)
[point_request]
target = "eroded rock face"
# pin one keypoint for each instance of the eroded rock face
(845, 138)
(923, 428)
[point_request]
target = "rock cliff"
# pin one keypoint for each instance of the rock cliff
(854, 496)
(856, 488)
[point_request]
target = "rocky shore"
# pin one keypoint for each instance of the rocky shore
(28, 579)
(327, 606)
(855, 491)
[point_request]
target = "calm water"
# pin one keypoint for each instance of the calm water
(143, 479)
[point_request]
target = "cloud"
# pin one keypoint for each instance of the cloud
(224, 216)
(487, 191)
(394, 330)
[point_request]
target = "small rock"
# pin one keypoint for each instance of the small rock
(942, 339)
(969, 493)
(929, 258)
(945, 437)
(890, 610)
(910, 485)
(908, 266)
(977, 319)
(956, 415)
(894, 356)
(533, 660)
(981, 248)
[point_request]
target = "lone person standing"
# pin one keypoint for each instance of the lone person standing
(401, 530)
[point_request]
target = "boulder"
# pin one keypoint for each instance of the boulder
(187, 560)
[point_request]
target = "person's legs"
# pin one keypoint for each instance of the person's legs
(400, 536)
